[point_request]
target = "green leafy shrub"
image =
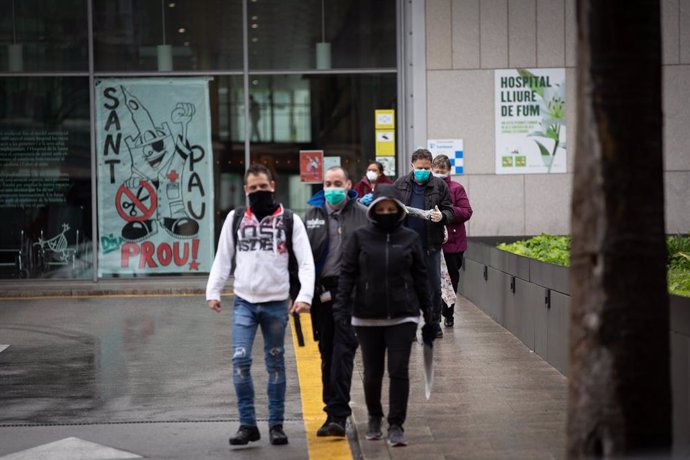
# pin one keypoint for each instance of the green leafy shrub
(679, 281)
(678, 252)
(555, 249)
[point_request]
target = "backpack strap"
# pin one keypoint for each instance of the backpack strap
(236, 221)
(288, 222)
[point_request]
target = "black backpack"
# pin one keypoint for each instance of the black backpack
(288, 221)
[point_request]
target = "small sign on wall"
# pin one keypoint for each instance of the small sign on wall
(329, 162)
(311, 166)
(453, 149)
(384, 126)
(388, 165)
(385, 142)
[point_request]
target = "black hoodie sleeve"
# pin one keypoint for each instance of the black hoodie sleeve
(349, 271)
(419, 275)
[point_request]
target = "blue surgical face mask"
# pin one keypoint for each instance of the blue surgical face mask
(335, 195)
(421, 175)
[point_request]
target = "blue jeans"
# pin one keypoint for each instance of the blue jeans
(246, 318)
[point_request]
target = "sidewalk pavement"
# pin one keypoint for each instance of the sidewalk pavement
(492, 399)
(151, 375)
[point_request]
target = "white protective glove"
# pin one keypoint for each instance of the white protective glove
(435, 215)
(418, 213)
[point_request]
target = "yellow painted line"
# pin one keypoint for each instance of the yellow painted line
(309, 372)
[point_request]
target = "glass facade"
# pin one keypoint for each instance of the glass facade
(124, 136)
(145, 35)
(343, 34)
(45, 177)
(44, 35)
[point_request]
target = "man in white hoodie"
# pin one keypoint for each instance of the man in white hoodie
(262, 286)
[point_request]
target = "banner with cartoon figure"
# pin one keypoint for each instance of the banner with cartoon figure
(155, 176)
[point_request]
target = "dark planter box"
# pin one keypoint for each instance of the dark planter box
(532, 300)
(680, 314)
(680, 368)
(551, 276)
(547, 275)
(520, 293)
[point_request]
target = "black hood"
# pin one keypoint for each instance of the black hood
(386, 192)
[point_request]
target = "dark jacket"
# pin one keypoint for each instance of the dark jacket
(435, 194)
(353, 216)
(364, 186)
(457, 236)
(382, 275)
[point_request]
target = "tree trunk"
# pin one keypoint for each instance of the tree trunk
(619, 382)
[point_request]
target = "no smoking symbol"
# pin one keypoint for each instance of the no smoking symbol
(137, 207)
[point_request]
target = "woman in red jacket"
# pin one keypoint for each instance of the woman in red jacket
(456, 245)
(373, 177)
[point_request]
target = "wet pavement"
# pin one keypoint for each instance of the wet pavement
(148, 375)
(91, 360)
(492, 399)
(151, 375)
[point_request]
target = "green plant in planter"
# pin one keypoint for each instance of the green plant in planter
(555, 249)
(678, 253)
(679, 282)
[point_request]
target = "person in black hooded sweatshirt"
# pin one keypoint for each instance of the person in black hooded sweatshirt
(382, 289)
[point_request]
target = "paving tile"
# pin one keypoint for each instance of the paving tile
(492, 398)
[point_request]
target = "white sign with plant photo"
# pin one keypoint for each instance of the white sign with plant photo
(530, 121)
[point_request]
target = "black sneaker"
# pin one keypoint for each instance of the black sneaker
(439, 332)
(245, 435)
(277, 436)
(374, 432)
(448, 320)
(336, 428)
(396, 436)
(445, 309)
(323, 431)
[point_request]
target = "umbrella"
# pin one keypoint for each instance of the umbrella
(428, 369)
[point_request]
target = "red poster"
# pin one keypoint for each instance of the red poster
(311, 166)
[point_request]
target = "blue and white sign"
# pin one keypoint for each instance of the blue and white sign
(453, 149)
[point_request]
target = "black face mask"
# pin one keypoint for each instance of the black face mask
(387, 222)
(262, 203)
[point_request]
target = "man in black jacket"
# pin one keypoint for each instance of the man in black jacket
(421, 190)
(331, 219)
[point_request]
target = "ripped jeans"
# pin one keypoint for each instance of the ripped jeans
(246, 318)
